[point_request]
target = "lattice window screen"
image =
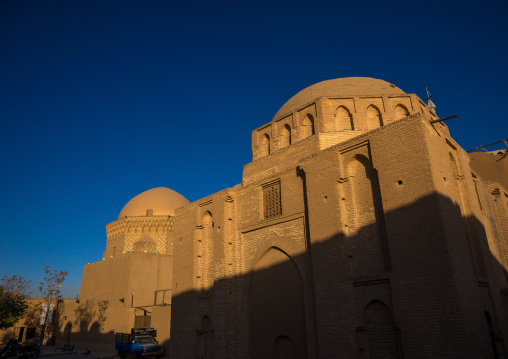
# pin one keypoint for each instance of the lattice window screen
(271, 196)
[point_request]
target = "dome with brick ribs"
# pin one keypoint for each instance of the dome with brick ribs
(161, 200)
(343, 87)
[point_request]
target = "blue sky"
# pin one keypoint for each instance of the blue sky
(102, 100)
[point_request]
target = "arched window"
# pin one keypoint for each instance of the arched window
(374, 119)
(307, 126)
(401, 112)
(285, 136)
(265, 145)
(343, 119)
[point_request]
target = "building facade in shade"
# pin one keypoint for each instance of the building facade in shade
(360, 230)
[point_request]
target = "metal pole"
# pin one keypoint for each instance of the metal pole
(444, 119)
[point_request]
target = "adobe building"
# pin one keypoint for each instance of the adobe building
(360, 230)
(131, 286)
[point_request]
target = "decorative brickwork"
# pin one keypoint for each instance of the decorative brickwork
(151, 234)
(358, 231)
(380, 249)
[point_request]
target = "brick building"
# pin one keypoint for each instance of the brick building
(359, 230)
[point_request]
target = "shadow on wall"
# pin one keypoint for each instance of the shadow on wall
(392, 288)
(419, 282)
(85, 326)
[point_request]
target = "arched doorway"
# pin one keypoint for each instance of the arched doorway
(67, 333)
(277, 313)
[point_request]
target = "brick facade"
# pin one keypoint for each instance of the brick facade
(378, 241)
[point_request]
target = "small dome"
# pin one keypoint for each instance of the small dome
(347, 86)
(163, 201)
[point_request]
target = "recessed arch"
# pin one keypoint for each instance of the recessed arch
(276, 305)
(374, 118)
(206, 323)
(369, 251)
(264, 145)
(400, 112)
(343, 119)
(145, 243)
(205, 252)
(205, 338)
(381, 331)
(351, 167)
(285, 136)
(307, 128)
(283, 348)
(67, 333)
(206, 218)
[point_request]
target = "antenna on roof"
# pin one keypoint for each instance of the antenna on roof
(431, 104)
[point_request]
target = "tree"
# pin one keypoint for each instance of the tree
(13, 299)
(50, 291)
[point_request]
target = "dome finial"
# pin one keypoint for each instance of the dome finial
(431, 104)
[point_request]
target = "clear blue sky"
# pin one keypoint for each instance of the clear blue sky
(102, 100)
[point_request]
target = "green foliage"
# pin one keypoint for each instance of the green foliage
(13, 299)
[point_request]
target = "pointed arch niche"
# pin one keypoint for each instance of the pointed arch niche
(204, 253)
(343, 119)
(276, 307)
(307, 127)
(365, 212)
(374, 118)
(381, 332)
(264, 147)
(400, 112)
(470, 226)
(285, 136)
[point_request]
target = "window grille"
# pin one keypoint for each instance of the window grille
(271, 199)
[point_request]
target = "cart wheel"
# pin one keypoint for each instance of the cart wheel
(139, 354)
(121, 353)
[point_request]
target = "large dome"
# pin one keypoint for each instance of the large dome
(347, 86)
(163, 201)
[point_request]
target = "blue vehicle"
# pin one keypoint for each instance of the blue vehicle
(141, 343)
(27, 349)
